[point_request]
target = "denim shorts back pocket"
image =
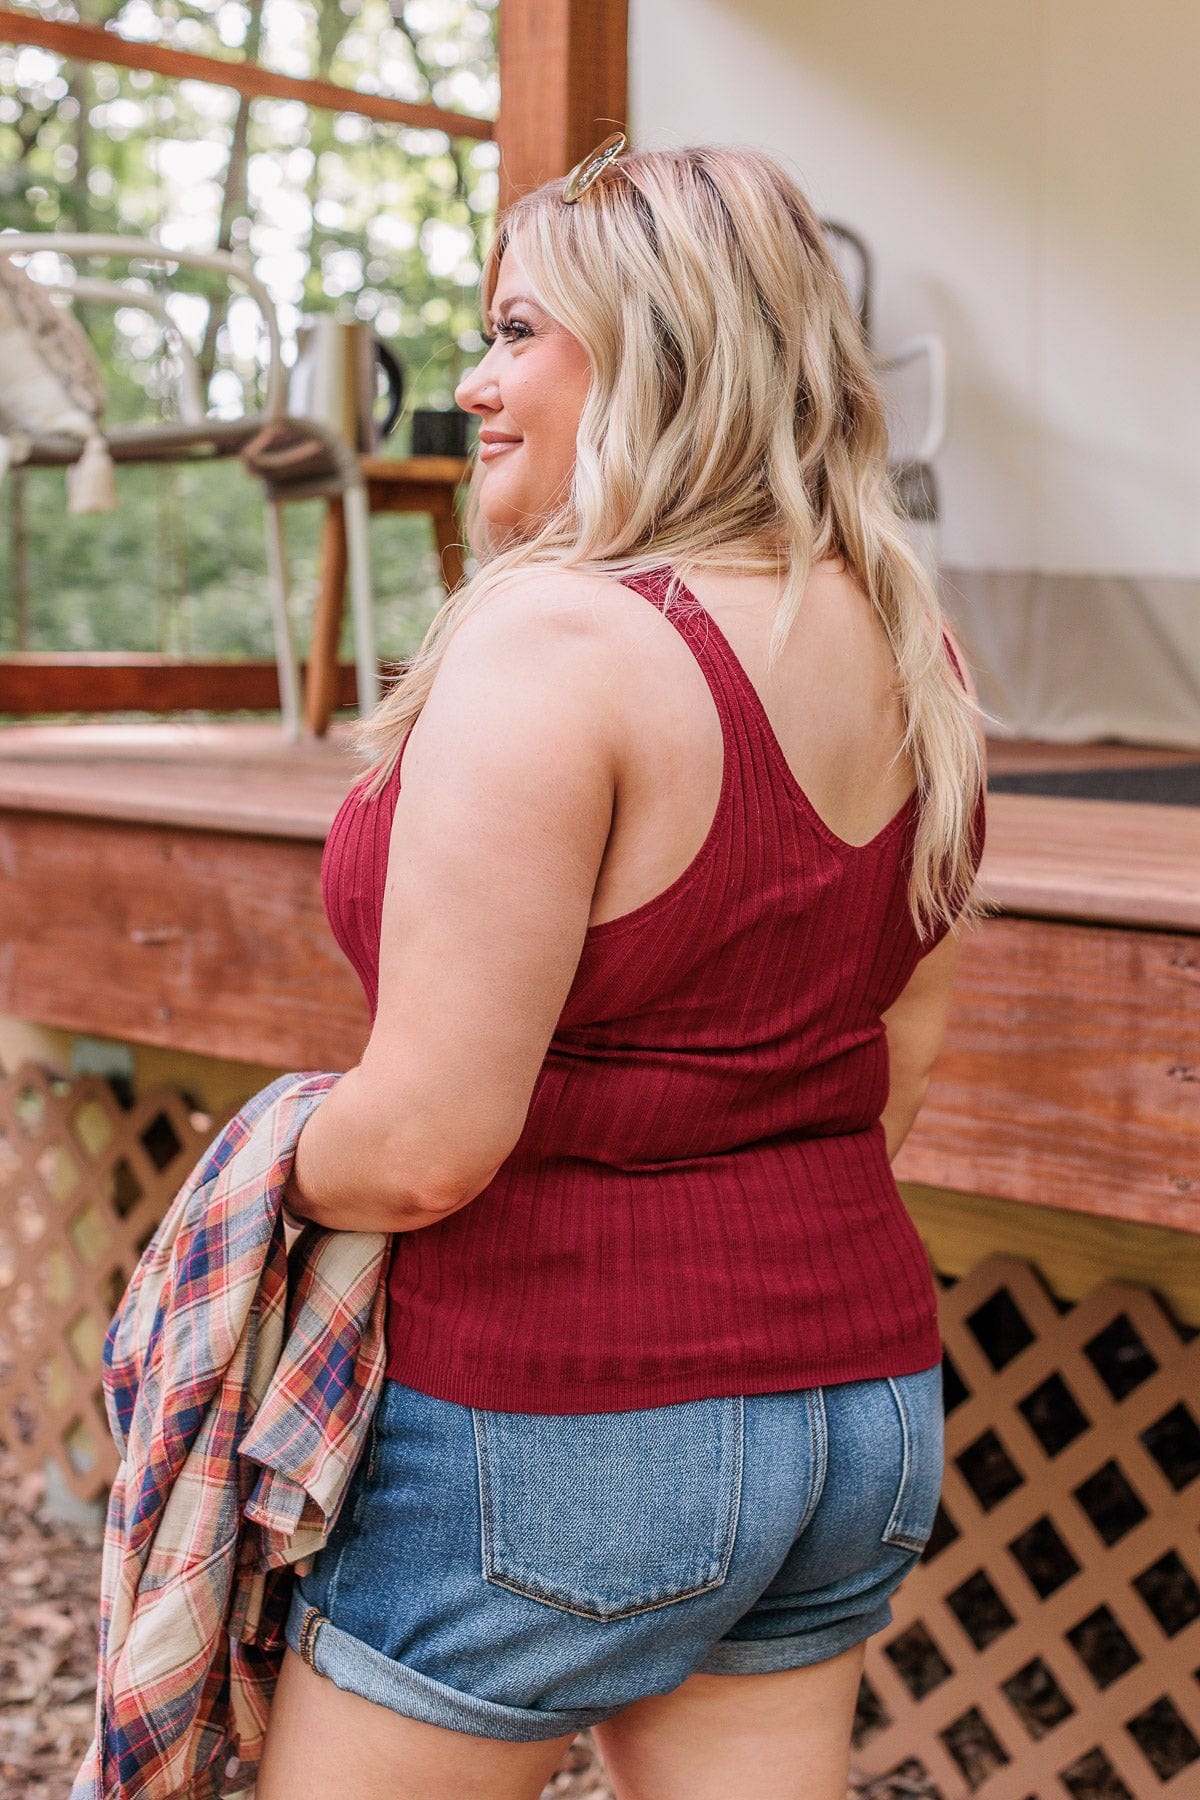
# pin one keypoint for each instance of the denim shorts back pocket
(918, 1400)
(610, 1514)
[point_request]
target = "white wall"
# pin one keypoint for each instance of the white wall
(1028, 173)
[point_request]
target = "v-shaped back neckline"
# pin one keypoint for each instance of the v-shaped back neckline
(752, 711)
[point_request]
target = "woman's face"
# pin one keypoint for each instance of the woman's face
(528, 393)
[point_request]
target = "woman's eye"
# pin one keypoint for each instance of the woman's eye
(511, 330)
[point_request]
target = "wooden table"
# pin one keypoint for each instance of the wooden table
(426, 484)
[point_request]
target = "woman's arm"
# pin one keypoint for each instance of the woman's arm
(916, 1021)
(916, 1025)
(500, 829)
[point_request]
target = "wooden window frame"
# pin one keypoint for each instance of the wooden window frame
(563, 80)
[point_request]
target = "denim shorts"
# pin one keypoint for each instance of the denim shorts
(521, 1575)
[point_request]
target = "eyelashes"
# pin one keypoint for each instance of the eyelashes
(512, 331)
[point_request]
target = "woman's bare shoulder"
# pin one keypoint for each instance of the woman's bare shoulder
(578, 613)
(551, 592)
(543, 644)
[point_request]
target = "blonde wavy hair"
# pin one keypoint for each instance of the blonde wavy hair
(733, 417)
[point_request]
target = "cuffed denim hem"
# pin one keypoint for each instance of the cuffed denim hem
(769, 1656)
(356, 1668)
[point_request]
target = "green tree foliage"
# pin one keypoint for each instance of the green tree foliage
(335, 211)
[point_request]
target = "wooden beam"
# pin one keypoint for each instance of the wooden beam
(563, 85)
(1073, 1254)
(93, 43)
(33, 684)
(200, 940)
(1070, 1075)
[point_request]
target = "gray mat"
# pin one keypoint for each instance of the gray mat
(1154, 784)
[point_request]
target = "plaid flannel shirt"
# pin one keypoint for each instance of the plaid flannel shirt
(239, 1390)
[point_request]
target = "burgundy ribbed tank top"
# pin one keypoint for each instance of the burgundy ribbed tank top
(700, 1202)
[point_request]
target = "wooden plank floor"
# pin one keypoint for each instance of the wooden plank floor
(161, 883)
(1102, 861)
(243, 778)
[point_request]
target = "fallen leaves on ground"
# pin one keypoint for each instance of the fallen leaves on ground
(49, 1590)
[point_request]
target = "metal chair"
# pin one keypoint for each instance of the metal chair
(330, 469)
(912, 470)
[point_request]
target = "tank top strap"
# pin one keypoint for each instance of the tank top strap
(952, 653)
(754, 758)
(755, 764)
(728, 682)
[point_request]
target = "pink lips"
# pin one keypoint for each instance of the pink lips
(492, 445)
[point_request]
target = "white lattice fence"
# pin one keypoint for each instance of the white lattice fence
(83, 1183)
(1048, 1647)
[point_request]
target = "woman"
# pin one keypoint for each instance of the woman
(674, 880)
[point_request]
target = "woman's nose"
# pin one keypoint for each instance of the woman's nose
(477, 392)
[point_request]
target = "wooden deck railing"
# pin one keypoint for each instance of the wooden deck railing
(34, 684)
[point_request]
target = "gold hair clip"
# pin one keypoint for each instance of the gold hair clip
(594, 163)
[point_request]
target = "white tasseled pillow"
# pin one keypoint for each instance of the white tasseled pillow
(50, 384)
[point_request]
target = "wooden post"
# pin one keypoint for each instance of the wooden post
(563, 85)
(320, 681)
(19, 556)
